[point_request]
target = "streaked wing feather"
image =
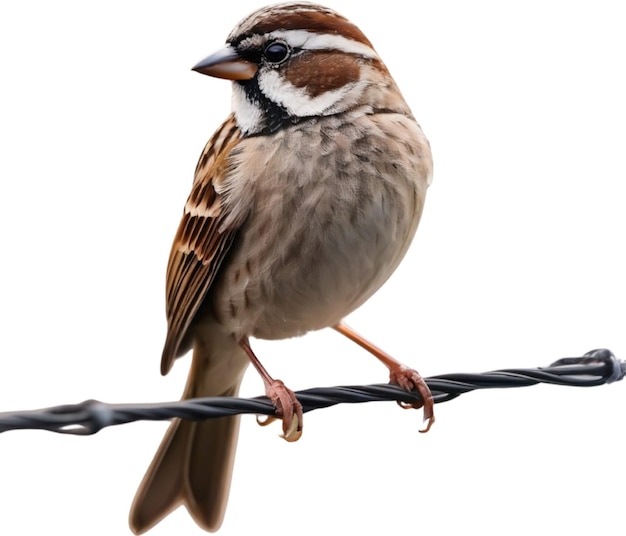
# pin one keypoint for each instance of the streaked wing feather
(200, 244)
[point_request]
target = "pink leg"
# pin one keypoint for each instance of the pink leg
(287, 406)
(399, 374)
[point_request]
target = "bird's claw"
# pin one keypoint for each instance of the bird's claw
(288, 409)
(409, 379)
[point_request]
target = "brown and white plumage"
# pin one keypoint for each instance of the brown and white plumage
(303, 204)
(204, 237)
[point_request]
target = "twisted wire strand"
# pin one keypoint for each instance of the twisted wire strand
(597, 367)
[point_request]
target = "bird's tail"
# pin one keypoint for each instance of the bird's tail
(193, 465)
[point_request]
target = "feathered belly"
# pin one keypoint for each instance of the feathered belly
(308, 261)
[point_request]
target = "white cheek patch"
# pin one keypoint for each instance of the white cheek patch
(299, 103)
(248, 115)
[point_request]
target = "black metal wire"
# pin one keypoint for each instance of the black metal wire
(596, 367)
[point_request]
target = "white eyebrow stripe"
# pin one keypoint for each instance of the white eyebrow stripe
(316, 41)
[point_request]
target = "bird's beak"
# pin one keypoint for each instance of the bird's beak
(226, 63)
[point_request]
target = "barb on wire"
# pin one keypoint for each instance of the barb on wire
(596, 367)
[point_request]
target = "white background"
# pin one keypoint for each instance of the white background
(519, 260)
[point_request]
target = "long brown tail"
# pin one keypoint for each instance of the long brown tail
(193, 465)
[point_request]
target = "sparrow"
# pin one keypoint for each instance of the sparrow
(303, 204)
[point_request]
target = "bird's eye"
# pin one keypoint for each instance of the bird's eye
(276, 52)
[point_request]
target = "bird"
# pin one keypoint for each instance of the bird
(303, 204)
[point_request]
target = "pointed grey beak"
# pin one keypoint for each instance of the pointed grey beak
(226, 63)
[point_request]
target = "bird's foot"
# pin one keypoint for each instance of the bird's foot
(288, 409)
(409, 379)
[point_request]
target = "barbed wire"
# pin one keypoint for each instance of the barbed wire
(597, 367)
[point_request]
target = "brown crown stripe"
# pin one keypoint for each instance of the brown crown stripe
(311, 21)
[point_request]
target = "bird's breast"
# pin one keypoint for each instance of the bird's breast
(333, 208)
